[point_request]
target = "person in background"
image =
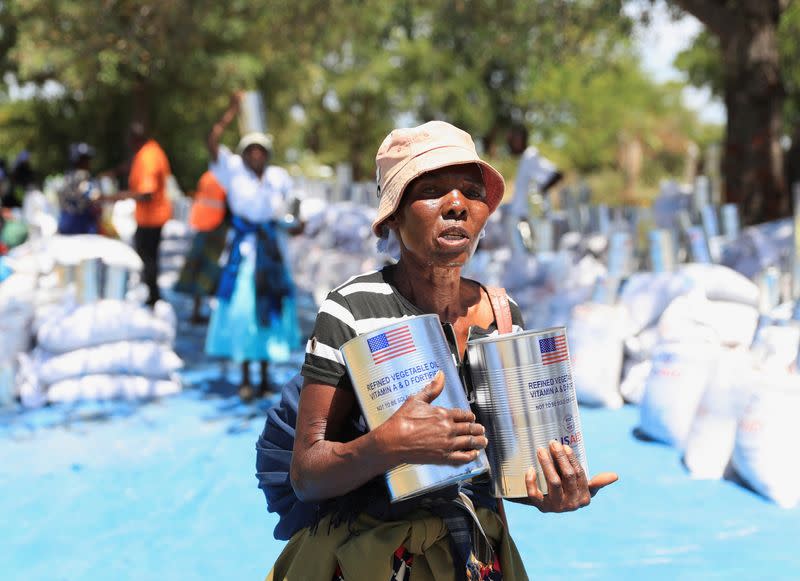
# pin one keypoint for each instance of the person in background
(200, 274)
(22, 179)
(5, 184)
(147, 183)
(78, 198)
(255, 317)
(533, 169)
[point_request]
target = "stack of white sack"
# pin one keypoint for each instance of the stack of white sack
(547, 286)
(728, 311)
(102, 350)
(17, 309)
(337, 243)
(692, 332)
(748, 408)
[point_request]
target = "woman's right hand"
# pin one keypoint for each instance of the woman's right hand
(422, 433)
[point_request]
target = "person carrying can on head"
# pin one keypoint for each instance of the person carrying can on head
(255, 316)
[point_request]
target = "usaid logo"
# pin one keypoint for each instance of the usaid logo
(569, 423)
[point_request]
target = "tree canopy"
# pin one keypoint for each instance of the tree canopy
(337, 76)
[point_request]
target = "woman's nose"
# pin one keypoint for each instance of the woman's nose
(454, 206)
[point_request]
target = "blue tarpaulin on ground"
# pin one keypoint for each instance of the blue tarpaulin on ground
(166, 490)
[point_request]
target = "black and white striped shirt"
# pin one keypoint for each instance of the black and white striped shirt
(362, 304)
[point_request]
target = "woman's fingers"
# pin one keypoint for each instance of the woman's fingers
(554, 487)
(584, 497)
(534, 494)
(470, 443)
(566, 471)
(457, 457)
(459, 415)
(468, 429)
(602, 480)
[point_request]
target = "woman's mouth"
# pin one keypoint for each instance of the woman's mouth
(454, 237)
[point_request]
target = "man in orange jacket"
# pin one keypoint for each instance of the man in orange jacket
(148, 183)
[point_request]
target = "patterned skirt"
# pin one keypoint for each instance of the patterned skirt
(234, 331)
(403, 561)
(200, 273)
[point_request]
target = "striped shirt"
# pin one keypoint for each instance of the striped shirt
(362, 304)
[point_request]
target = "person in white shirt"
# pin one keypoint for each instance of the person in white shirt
(255, 317)
(533, 170)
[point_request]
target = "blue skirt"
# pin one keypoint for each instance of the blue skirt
(234, 332)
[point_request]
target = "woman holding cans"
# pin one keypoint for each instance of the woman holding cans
(436, 195)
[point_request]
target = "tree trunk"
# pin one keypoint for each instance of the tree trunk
(753, 161)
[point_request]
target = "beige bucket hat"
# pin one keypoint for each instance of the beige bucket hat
(406, 154)
(255, 138)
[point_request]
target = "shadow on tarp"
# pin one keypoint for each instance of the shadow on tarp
(21, 423)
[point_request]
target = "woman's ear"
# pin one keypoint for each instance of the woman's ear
(391, 222)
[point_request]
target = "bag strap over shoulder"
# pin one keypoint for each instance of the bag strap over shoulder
(501, 308)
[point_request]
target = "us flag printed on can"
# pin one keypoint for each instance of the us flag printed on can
(389, 364)
(524, 397)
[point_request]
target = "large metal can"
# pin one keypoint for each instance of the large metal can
(394, 362)
(524, 397)
(252, 113)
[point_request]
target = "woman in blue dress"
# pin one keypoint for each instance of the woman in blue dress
(255, 317)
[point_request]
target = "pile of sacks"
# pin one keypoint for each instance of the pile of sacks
(337, 243)
(61, 340)
(102, 350)
(17, 306)
(710, 375)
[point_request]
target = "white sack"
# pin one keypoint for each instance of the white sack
(764, 454)
(15, 334)
(635, 374)
(75, 248)
(711, 438)
(595, 337)
(17, 292)
(145, 358)
(731, 324)
(104, 387)
(28, 388)
(646, 295)
(674, 388)
(720, 283)
(776, 347)
(640, 347)
(105, 321)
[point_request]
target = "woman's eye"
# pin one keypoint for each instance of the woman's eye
(476, 193)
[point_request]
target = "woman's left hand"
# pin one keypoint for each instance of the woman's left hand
(568, 487)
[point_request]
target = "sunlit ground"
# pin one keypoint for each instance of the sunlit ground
(166, 490)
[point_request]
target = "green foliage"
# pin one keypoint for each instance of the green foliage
(337, 76)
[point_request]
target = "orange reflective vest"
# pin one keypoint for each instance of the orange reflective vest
(208, 210)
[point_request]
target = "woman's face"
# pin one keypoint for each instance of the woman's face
(255, 157)
(442, 214)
